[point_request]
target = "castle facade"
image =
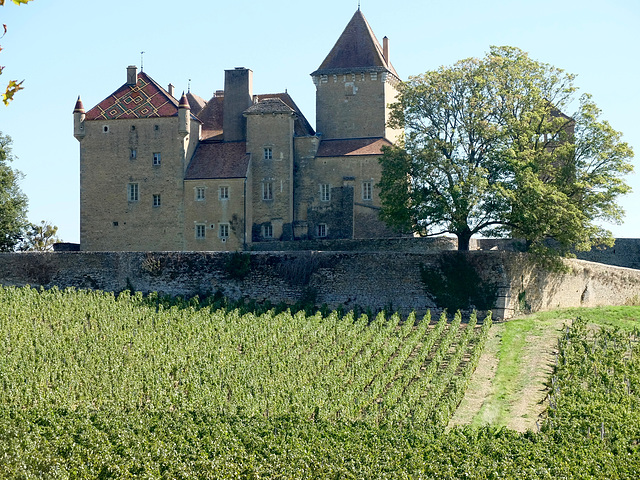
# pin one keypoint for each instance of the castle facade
(159, 173)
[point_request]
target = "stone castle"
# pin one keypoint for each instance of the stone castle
(164, 174)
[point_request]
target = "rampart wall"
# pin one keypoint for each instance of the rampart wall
(504, 281)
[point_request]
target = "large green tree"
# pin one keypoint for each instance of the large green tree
(489, 149)
(13, 203)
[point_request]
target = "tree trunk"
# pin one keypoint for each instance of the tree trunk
(463, 240)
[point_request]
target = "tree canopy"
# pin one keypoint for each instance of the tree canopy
(490, 149)
(13, 203)
(39, 237)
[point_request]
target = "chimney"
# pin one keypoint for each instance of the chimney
(132, 75)
(385, 50)
(238, 93)
(171, 89)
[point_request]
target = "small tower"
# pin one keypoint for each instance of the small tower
(78, 120)
(184, 116)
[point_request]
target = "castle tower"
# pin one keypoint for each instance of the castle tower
(270, 132)
(355, 85)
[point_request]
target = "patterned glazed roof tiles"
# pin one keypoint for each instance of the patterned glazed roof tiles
(351, 146)
(146, 99)
(218, 160)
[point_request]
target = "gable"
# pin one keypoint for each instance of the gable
(145, 99)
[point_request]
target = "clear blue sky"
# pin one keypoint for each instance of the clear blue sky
(66, 48)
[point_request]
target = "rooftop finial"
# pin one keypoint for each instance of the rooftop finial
(142, 61)
(189, 86)
(358, 5)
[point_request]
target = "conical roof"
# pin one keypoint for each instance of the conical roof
(357, 49)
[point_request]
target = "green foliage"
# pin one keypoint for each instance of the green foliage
(94, 385)
(455, 284)
(39, 237)
(13, 203)
(488, 150)
(238, 265)
(13, 86)
(594, 394)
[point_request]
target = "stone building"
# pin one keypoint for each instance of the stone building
(159, 173)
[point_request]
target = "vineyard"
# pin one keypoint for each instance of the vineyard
(97, 385)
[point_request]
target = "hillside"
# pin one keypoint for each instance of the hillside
(94, 385)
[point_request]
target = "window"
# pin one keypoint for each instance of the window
(223, 231)
(156, 158)
(156, 200)
(267, 231)
(105, 129)
(132, 192)
(133, 128)
(199, 194)
(134, 154)
(325, 192)
(267, 191)
(223, 193)
(201, 231)
(321, 230)
(268, 153)
(156, 127)
(367, 189)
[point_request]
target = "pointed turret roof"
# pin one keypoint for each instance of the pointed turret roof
(184, 103)
(357, 49)
(79, 108)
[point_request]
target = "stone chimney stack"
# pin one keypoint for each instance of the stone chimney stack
(171, 90)
(132, 75)
(238, 96)
(385, 50)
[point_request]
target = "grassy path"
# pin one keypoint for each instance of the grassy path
(509, 384)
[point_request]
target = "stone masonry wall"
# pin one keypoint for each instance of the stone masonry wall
(404, 281)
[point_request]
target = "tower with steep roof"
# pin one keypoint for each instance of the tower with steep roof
(355, 84)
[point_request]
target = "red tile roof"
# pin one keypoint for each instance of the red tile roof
(145, 99)
(351, 146)
(357, 49)
(211, 117)
(218, 160)
(196, 103)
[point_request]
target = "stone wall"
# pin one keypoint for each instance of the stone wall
(404, 281)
